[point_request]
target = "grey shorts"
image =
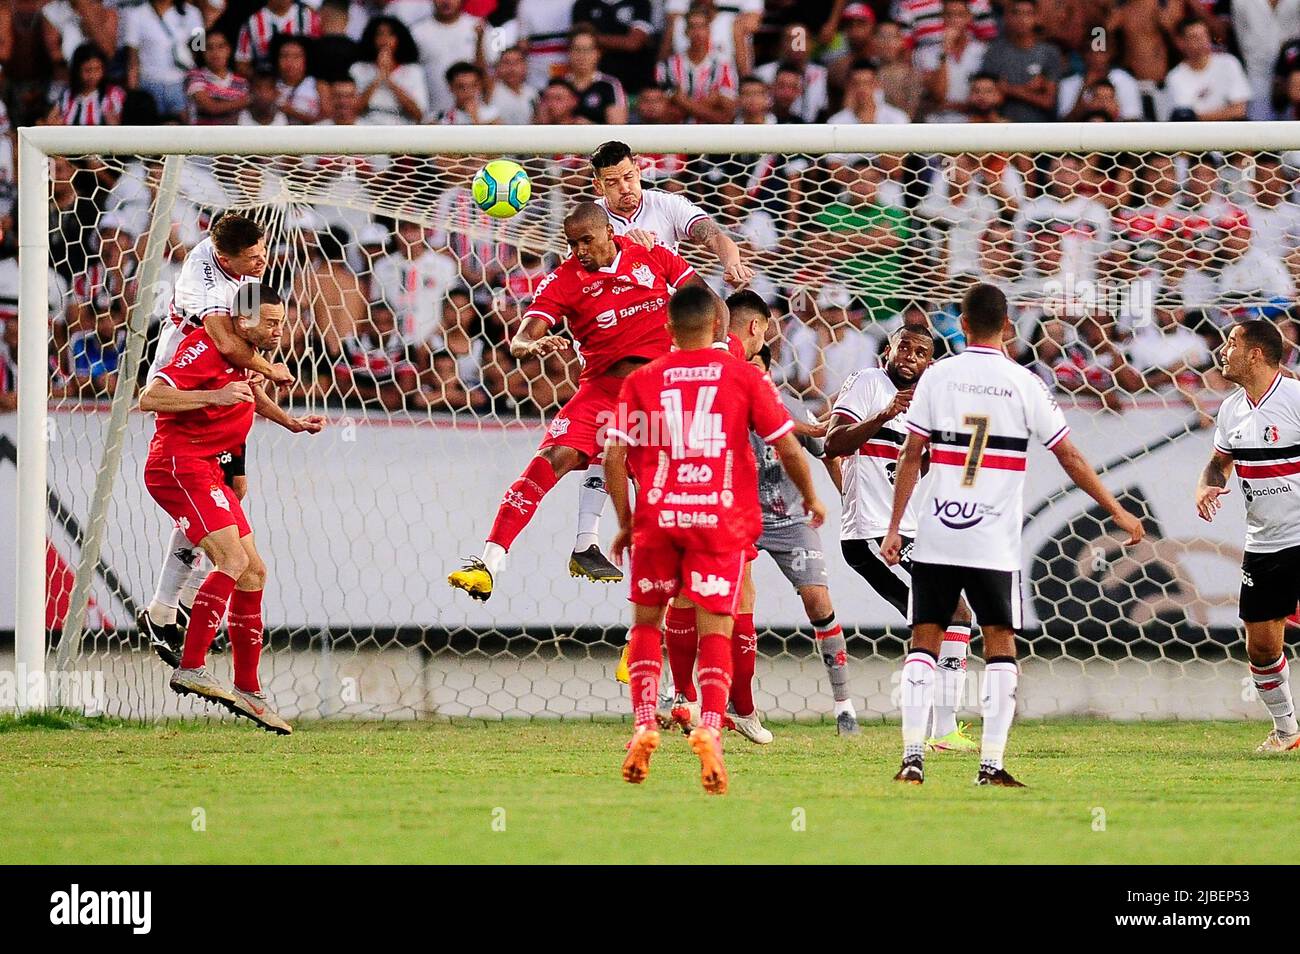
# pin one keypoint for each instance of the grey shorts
(797, 550)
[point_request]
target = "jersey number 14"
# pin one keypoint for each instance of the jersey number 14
(698, 434)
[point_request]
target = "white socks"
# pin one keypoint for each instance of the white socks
(950, 679)
(1273, 684)
(591, 504)
(182, 557)
(998, 707)
(493, 555)
(845, 705)
(916, 701)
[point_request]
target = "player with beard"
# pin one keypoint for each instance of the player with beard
(867, 432)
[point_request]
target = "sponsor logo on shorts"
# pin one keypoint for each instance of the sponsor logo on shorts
(219, 498)
(594, 482)
(799, 558)
(712, 585)
(558, 427)
(1245, 578)
(663, 586)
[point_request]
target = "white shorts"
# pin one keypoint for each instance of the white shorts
(170, 336)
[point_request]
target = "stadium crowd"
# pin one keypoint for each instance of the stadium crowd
(1125, 268)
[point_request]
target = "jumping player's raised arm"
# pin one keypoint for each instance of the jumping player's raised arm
(220, 326)
(263, 406)
(680, 274)
(549, 308)
(857, 415)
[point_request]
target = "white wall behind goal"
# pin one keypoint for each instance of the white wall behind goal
(361, 524)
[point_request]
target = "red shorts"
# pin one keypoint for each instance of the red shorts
(194, 493)
(709, 580)
(582, 421)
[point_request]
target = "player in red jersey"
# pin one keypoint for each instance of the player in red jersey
(205, 407)
(682, 427)
(613, 294)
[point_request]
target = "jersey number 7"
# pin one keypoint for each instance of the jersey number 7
(974, 453)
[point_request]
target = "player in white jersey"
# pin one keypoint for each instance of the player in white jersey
(1258, 433)
(867, 431)
(649, 217)
(230, 258)
(976, 412)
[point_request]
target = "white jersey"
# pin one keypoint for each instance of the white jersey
(665, 215)
(203, 288)
(868, 500)
(1264, 442)
(979, 411)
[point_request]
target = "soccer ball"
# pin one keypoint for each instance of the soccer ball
(502, 188)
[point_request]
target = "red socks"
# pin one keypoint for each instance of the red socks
(205, 617)
(715, 678)
(645, 663)
(683, 643)
(744, 654)
(520, 502)
(246, 637)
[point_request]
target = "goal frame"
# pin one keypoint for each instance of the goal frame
(37, 145)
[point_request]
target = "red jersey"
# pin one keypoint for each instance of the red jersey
(616, 312)
(686, 419)
(208, 431)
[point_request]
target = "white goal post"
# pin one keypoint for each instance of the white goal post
(38, 146)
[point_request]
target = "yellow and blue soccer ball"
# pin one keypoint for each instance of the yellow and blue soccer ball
(502, 188)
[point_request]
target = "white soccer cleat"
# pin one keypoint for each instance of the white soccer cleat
(1277, 743)
(199, 682)
(751, 727)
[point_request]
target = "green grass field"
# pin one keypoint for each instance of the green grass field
(97, 792)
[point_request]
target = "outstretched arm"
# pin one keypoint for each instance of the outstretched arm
(794, 462)
(533, 340)
(1086, 479)
(1213, 484)
(161, 397)
(265, 407)
(708, 233)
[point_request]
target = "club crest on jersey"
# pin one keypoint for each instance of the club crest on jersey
(1270, 434)
(219, 498)
(644, 276)
(558, 427)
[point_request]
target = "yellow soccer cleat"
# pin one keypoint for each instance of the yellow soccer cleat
(1277, 743)
(474, 578)
(620, 671)
(958, 741)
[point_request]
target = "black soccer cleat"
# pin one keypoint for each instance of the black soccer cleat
(912, 771)
(999, 777)
(591, 564)
(846, 724)
(166, 641)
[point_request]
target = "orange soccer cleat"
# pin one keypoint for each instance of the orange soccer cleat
(706, 742)
(637, 764)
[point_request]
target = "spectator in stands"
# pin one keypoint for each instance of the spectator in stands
(1077, 349)
(1026, 67)
(1207, 86)
(303, 101)
(1261, 29)
(1248, 272)
(8, 365)
(865, 239)
(413, 280)
(559, 105)
(1147, 33)
(454, 380)
(390, 82)
(814, 98)
(843, 346)
(511, 96)
(217, 94)
(450, 36)
(985, 103)
(1274, 215)
(862, 102)
(544, 27)
(342, 26)
(703, 83)
(600, 95)
(90, 99)
(263, 102)
(331, 294)
(624, 34)
(787, 94)
(159, 37)
(794, 349)
(253, 51)
(962, 203)
(1100, 85)
(97, 348)
(1075, 226)
(375, 367)
(1165, 351)
(732, 27)
(859, 27)
(66, 25)
(468, 107)
(922, 22)
(947, 66)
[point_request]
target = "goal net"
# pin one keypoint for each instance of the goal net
(1125, 250)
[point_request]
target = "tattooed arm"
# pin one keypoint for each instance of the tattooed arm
(1213, 485)
(707, 233)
